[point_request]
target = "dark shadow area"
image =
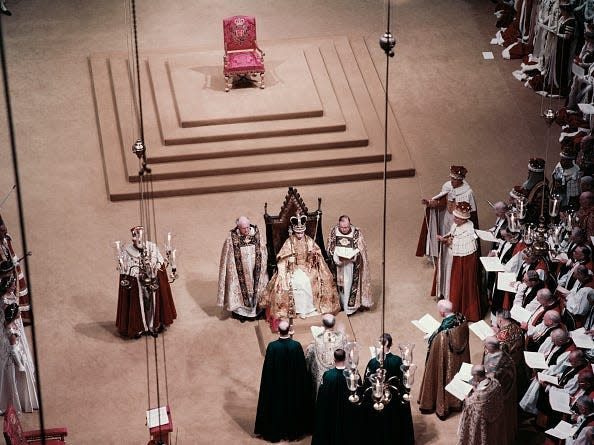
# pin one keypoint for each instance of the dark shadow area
(205, 296)
(97, 330)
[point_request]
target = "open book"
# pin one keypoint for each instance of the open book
(559, 400)
(481, 329)
(465, 372)
(520, 314)
(535, 360)
(504, 280)
(552, 379)
(563, 430)
(486, 236)
(581, 340)
(458, 388)
(427, 324)
(492, 264)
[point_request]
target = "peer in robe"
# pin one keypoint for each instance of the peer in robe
(448, 348)
(338, 421)
(393, 424)
(284, 401)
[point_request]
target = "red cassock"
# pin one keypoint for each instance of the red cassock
(464, 286)
(129, 313)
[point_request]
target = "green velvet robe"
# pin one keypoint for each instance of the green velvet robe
(284, 404)
(338, 421)
(392, 425)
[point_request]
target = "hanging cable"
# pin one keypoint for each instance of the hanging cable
(387, 43)
(148, 219)
(165, 369)
(137, 70)
(21, 214)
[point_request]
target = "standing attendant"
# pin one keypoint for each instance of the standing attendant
(439, 210)
(456, 275)
(394, 423)
(337, 419)
(348, 251)
(447, 349)
(284, 402)
(242, 270)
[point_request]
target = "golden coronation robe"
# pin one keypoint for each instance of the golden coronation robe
(305, 256)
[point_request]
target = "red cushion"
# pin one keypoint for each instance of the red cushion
(244, 62)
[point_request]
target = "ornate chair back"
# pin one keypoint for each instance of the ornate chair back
(239, 33)
(277, 226)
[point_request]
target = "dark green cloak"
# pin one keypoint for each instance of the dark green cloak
(392, 425)
(284, 403)
(338, 421)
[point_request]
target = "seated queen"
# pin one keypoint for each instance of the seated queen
(303, 285)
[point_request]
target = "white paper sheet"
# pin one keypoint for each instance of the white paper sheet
(552, 379)
(485, 235)
(520, 314)
(427, 324)
(535, 360)
(345, 252)
(492, 264)
(559, 400)
(563, 430)
(481, 329)
(503, 281)
(458, 388)
(581, 340)
(465, 372)
(153, 416)
(586, 108)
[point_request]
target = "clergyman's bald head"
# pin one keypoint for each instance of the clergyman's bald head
(444, 307)
(283, 328)
(328, 320)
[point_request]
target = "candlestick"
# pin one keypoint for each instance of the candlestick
(168, 243)
(173, 266)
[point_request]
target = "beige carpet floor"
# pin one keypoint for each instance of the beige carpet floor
(452, 107)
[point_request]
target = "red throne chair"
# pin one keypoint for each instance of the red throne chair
(14, 434)
(242, 57)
